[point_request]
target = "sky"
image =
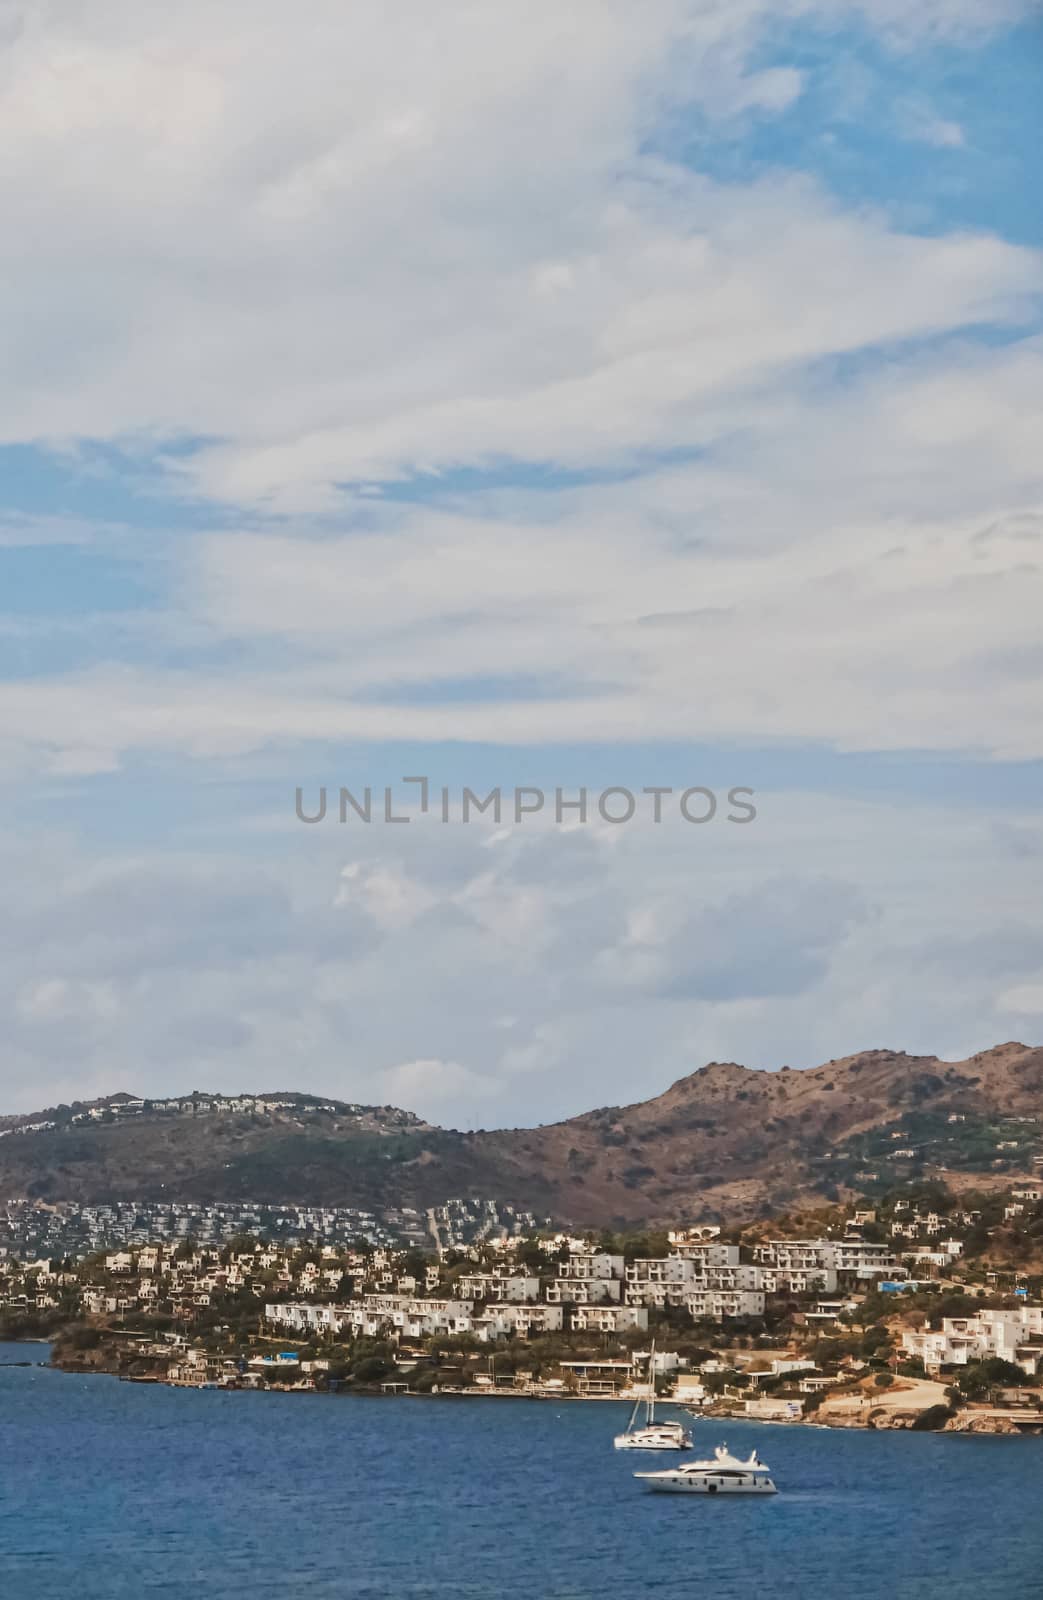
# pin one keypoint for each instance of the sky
(557, 398)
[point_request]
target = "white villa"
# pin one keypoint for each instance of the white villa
(1015, 1336)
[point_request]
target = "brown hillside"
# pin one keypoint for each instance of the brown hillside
(734, 1140)
(725, 1140)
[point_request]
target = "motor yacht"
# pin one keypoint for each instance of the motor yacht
(724, 1474)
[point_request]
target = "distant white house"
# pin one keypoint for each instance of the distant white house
(608, 1319)
(1015, 1336)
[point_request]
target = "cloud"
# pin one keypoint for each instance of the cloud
(443, 404)
(387, 255)
(548, 972)
(853, 597)
(1026, 998)
(686, 296)
(942, 134)
(432, 1085)
(773, 940)
(377, 247)
(917, 120)
(387, 894)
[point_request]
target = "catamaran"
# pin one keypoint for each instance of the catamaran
(725, 1474)
(653, 1435)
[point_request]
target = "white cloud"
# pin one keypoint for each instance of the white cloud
(57, 999)
(623, 958)
(771, 940)
(918, 120)
(385, 246)
(1026, 998)
(879, 592)
(943, 134)
(379, 244)
(387, 894)
(314, 256)
(429, 1086)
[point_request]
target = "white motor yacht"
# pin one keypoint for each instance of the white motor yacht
(725, 1474)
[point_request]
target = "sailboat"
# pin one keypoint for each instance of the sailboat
(652, 1435)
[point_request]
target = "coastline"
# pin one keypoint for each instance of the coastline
(867, 1418)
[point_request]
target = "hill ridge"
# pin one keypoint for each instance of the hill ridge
(724, 1139)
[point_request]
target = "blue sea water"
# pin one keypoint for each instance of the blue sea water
(118, 1491)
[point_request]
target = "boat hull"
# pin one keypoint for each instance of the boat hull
(671, 1485)
(629, 1441)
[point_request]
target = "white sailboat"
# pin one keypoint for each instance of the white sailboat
(724, 1474)
(653, 1435)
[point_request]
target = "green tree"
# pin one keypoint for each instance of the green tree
(992, 1373)
(933, 1418)
(372, 1369)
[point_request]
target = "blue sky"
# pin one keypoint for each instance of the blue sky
(625, 398)
(939, 138)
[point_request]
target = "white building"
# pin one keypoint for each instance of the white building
(669, 1280)
(583, 1291)
(659, 1281)
(716, 1304)
(855, 1257)
(590, 1263)
(498, 1287)
(375, 1314)
(522, 1321)
(709, 1252)
(961, 1341)
(608, 1319)
(798, 1280)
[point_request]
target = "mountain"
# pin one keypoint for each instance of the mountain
(736, 1142)
(725, 1140)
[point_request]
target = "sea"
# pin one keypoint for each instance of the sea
(122, 1491)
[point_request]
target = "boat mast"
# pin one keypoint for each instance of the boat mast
(650, 1418)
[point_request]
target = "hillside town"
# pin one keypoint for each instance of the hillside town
(31, 1229)
(125, 1107)
(65, 1228)
(885, 1315)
